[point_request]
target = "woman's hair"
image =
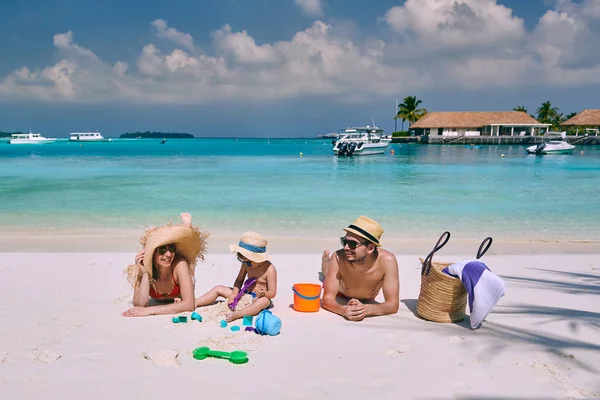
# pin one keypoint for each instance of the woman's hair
(155, 272)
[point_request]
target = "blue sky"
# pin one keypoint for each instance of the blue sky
(282, 68)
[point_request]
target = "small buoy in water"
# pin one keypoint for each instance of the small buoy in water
(301, 154)
(501, 155)
(581, 152)
(391, 151)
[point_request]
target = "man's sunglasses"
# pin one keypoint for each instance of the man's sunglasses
(163, 249)
(351, 244)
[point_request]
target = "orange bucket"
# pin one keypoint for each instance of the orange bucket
(307, 297)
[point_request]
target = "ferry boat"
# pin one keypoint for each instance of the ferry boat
(361, 140)
(553, 146)
(88, 137)
(30, 138)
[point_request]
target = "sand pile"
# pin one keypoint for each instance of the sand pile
(217, 312)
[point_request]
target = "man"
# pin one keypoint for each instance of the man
(359, 271)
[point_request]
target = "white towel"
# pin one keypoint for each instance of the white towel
(483, 287)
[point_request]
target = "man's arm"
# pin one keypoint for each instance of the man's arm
(391, 290)
(331, 285)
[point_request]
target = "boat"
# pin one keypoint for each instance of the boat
(360, 140)
(88, 137)
(30, 138)
(553, 146)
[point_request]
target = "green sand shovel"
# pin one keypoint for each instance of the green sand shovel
(236, 357)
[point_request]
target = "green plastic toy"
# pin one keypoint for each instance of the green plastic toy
(236, 357)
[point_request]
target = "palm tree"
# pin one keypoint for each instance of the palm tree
(409, 110)
(569, 116)
(520, 109)
(546, 113)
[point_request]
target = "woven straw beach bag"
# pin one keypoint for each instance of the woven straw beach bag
(443, 298)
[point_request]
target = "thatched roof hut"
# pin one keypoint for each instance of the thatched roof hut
(585, 118)
(474, 119)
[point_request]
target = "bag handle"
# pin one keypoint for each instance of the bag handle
(440, 243)
(487, 242)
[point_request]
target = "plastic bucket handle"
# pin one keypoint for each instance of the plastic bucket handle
(306, 297)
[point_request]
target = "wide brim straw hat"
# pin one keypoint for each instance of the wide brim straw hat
(252, 246)
(190, 241)
(366, 228)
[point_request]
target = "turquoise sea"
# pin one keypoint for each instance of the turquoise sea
(233, 185)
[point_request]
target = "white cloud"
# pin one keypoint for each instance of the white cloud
(450, 23)
(432, 46)
(311, 7)
(163, 31)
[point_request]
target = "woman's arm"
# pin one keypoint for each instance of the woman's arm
(182, 275)
(141, 294)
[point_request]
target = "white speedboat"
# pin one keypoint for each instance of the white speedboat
(553, 146)
(362, 140)
(30, 138)
(88, 137)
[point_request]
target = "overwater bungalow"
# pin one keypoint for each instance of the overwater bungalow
(586, 122)
(464, 124)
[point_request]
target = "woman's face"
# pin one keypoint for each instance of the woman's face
(164, 255)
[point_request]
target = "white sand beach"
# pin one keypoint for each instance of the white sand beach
(63, 336)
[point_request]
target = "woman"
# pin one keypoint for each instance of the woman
(164, 269)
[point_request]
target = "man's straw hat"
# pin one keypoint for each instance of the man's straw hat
(252, 246)
(366, 228)
(190, 242)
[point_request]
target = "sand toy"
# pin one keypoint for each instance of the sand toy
(249, 282)
(236, 357)
(182, 319)
(196, 316)
(267, 323)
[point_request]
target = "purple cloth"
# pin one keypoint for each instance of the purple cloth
(484, 289)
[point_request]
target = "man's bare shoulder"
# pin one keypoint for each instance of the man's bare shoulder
(387, 258)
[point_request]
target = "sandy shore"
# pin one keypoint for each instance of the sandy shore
(63, 336)
(120, 240)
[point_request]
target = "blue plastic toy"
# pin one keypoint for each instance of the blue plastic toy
(182, 319)
(196, 316)
(235, 328)
(223, 323)
(267, 323)
(248, 320)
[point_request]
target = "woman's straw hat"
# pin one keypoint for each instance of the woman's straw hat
(252, 246)
(366, 228)
(190, 242)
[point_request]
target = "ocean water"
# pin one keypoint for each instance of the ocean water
(231, 186)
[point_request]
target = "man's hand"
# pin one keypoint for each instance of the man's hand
(137, 312)
(355, 310)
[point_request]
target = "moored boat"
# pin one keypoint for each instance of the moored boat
(356, 141)
(30, 138)
(88, 137)
(553, 146)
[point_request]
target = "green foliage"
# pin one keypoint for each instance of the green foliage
(520, 109)
(8, 134)
(400, 134)
(409, 110)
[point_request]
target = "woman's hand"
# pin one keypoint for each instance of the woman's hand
(139, 257)
(137, 312)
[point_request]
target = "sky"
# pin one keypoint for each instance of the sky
(286, 68)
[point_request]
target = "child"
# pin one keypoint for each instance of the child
(252, 254)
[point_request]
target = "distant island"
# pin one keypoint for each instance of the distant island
(156, 135)
(9, 134)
